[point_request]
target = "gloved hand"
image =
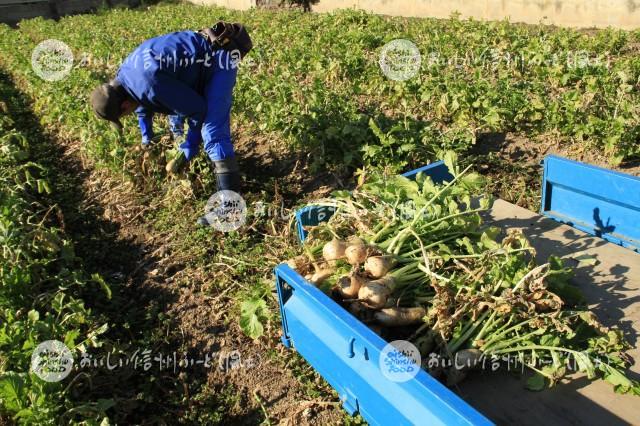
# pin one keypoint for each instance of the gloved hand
(146, 146)
(190, 144)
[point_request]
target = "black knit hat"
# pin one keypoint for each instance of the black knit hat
(229, 36)
(107, 100)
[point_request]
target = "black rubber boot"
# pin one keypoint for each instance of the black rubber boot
(227, 178)
(227, 174)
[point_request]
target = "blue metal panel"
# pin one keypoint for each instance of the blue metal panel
(347, 354)
(598, 201)
(438, 172)
(311, 216)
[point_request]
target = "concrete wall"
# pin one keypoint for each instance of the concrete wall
(231, 4)
(12, 11)
(571, 13)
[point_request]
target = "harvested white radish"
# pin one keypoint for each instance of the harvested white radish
(334, 250)
(378, 266)
(360, 311)
(394, 317)
(356, 254)
(375, 293)
(349, 285)
(321, 275)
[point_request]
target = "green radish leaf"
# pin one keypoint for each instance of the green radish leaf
(450, 159)
(485, 201)
(444, 251)
(410, 186)
(472, 181)
(252, 314)
(586, 260)
(555, 371)
(466, 243)
(453, 207)
(92, 337)
(12, 389)
(466, 201)
(621, 383)
(488, 241)
(550, 340)
(58, 302)
(33, 315)
(584, 364)
(428, 187)
(70, 338)
(536, 383)
(25, 413)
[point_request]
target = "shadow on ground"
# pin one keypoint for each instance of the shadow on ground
(124, 261)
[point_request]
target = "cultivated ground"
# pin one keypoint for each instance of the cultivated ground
(302, 128)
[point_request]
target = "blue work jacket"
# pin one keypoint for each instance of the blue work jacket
(180, 74)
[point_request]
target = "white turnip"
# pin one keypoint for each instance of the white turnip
(376, 292)
(378, 266)
(395, 317)
(360, 311)
(356, 254)
(349, 285)
(321, 275)
(334, 250)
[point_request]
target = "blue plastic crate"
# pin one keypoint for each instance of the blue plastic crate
(347, 353)
(598, 201)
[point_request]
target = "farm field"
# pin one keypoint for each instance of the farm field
(99, 247)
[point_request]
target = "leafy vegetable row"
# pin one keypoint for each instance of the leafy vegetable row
(42, 283)
(325, 92)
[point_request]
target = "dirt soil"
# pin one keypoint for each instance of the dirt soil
(532, 150)
(106, 221)
(264, 157)
(512, 162)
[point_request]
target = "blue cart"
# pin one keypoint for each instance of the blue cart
(583, 207)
